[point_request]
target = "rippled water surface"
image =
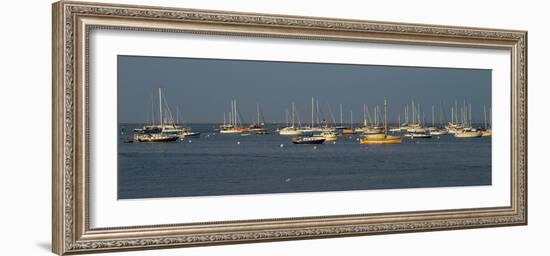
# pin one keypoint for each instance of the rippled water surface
(220, 164)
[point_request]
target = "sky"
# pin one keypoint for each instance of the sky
(202, 89)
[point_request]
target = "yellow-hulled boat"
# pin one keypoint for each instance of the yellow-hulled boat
(381, 138)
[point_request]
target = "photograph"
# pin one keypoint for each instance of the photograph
(195, 126)
(217, 127)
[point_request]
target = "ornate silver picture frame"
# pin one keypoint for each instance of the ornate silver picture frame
(72, 24)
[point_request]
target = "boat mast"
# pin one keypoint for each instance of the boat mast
(351, 119)
(407, 114)
(364, 115)
(286, 117)
(414, 114)
(236, 114)
(418, 113)
(398, 120)
(470, 115)
(152, 109)
(433, 114)
(452, 115)
(160, 108)
(375, 115)
(317, 112)
(224, 118)
(484, 117)
(293, 114)
(385, 117)
(312, 111)
(341, 119)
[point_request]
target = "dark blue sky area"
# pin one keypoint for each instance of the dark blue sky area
(203, 88)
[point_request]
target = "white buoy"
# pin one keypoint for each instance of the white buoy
(190, 141)
(314, 147)
(281, 145)
(288, 179)
(238, 143)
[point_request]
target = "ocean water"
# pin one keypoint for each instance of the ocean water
(223, 164)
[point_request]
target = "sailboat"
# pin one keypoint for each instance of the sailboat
(291, 130)
(433, 130)
(162, 132)
(341, 126)
(382, 138)
(233, 126)
(467, 130)
(258, 126)
(468, 133)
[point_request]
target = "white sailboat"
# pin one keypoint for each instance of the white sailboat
(291, 130)
(233, 126)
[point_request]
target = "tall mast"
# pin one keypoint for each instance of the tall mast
(160, 108)
(312, 111)
(414, 114)
(484, 117)
(466, 115)
(470, 114)
(286, 117)
(341, 114)
(399, 120)
(407, 114)
(224, 118)
(293, 114)
(433, 114)
(317, 111)
(351, 119)
(452, 115)
(364, 115)
(236, 113)
(418, 113)
(385, 117)
(152, 108)
(376, 115)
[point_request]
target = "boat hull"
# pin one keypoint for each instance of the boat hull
(486, 133)
(290, 132)
(308, 140)
(230, 131)
(380, 139)
(158, 139)
(468, 135)
(438, 133)
(192, 134)
(421, 136)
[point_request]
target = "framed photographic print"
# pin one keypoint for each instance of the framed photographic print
(179, 127)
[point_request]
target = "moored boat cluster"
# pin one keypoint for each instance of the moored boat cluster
(373, 130)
